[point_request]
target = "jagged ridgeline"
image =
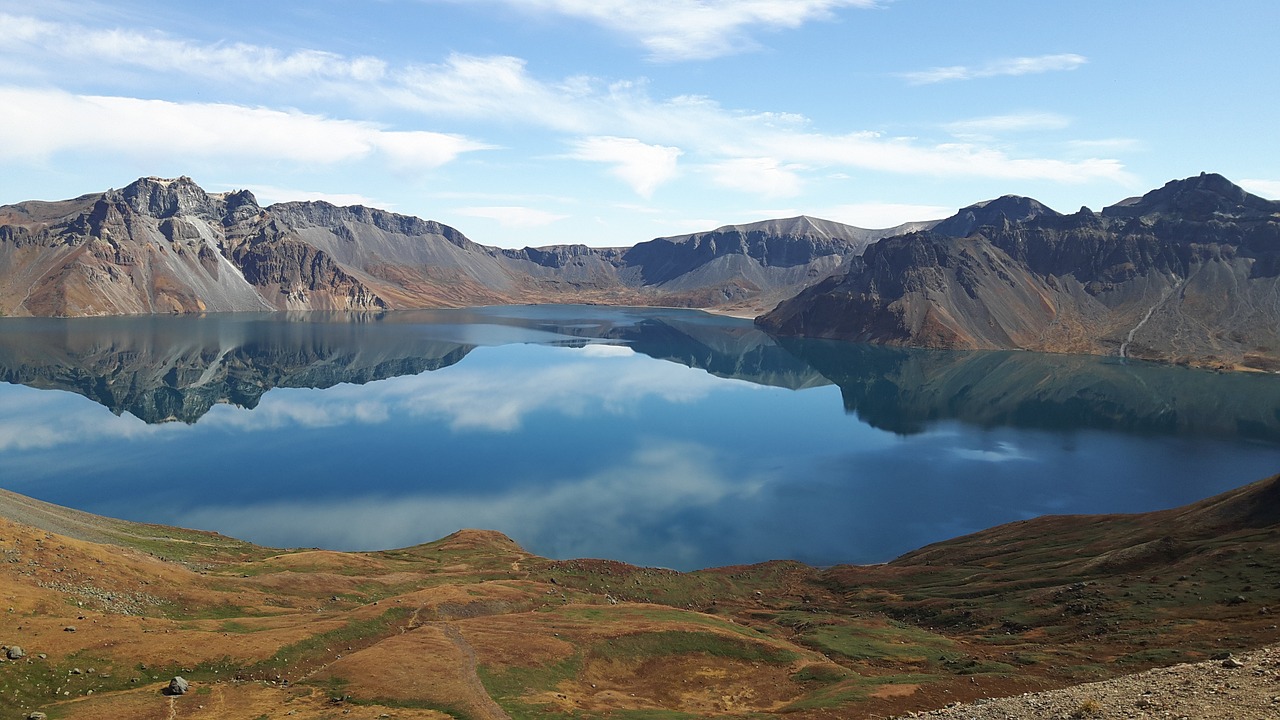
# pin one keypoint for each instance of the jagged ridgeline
(167, 246)
(1186, 273)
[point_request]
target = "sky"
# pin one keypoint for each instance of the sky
(611, 122)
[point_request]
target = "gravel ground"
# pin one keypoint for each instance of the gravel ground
(1243, 687)
(56, 519)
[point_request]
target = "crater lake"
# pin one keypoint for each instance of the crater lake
(652, 436)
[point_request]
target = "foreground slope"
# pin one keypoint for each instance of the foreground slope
(472, 626)
(167, 246)
(1186, 273)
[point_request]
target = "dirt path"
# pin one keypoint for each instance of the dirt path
(485, 703)
(1211, 690)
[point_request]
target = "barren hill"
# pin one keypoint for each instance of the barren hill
(1186, 273)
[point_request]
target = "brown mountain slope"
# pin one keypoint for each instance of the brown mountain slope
(473, 626)
(1187, 273)
(167, 246)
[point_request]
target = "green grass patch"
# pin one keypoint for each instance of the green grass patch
(854, 689)
(509, 686)
(822, 673)
(682, 642)
(34, 684)
(356, 634)
(864, 642)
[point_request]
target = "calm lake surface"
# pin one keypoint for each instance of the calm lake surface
(658, 437)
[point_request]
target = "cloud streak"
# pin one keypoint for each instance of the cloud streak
(642, 166)
(681, 30)
(512, 216)
(643, 139)
(49, 122)
(997, 68)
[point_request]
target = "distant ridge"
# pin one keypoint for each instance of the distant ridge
(164, 245)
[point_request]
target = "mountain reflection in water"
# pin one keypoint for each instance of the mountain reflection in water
(556, 425)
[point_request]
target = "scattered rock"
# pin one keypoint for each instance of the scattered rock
(177, 686)
(1232, 663)
(69, 628)
(37, 716)
(14, 653)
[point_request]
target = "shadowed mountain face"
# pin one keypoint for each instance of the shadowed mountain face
(167, 246)
(1187, 273)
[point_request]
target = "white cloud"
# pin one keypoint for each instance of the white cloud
(642, 166)
(1105, 145)
(906, 156)
(673, 30)
(996, 68)
(157, 51)
(1265, 188)
(640, 136)
(269, 195)
(759, 176)
(48, 122)
(999, 124)
(512, 216)
(884, 215)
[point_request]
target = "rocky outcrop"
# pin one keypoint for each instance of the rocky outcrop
(1187, 273)
(167, 246)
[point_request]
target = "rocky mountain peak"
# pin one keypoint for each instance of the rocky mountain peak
(1011, 208)
(162, 198)
(1198, 198)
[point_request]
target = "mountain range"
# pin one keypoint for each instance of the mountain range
(167, 246)
(1187, 273)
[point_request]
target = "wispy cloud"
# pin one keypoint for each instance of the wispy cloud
(884, 215)
(158, 51)
(1265, 188)
(269, 195)
(675, 30)
(1012, 123)
(759, 176)
(642, 166)
(615, 122)
(996, 68)
(49, 122)
(512, 216)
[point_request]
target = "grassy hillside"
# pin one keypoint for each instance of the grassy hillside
(472, 626)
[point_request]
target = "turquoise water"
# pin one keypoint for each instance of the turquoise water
(659, 437)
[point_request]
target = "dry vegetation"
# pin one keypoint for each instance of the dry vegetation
(474, 627)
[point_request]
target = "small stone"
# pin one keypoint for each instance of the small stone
(14, 653)
(177, 686)
(69, 628)
(37, 716)
(1232, 663)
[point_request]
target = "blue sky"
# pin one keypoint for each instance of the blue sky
(609, 122)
